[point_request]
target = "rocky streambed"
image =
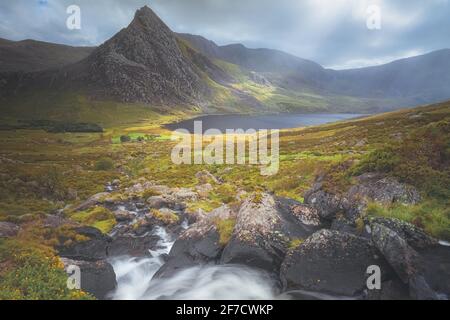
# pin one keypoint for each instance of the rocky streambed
(273, 248)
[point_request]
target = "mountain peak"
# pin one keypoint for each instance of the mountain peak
(147, 18)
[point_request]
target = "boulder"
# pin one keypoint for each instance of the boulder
(330, 262)
(326, 204)
(93, 249)
(133, 246)
(263, 231)
(8, 230)
(384, 190)
(405, 261)
(97, 278)
(414, 236)
(200, 244)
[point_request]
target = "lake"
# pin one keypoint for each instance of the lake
(258, 122)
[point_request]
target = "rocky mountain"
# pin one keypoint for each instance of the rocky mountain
(413, 81)
(31, 55)
(148, 63)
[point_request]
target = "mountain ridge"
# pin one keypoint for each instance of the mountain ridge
(148, 63)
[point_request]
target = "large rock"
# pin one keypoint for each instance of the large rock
(369, 187)
(97, 278)
(263, 231)
(414, 236)
(406, 261)
(200, 244)
(326, 204)
(94, 248)
(330, 262)
(384, 190)
(8, 229)
(130, 245)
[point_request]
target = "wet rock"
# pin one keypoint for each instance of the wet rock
(390, 290)
(331, 262)
(130, 245)
(93, 249)
(97, 278)
(262, 233)
(8, 230)
(405, 261)
(197, 245)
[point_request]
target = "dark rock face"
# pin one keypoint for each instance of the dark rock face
(414, 236)
(97, 278)
(8, 229)
(406, 262)
(332, 262)
(198, 245)
(370, 187)
(382, 189)
(129, 245)
(94, 249)
(262, 232)
(326, 204)
(437, 269)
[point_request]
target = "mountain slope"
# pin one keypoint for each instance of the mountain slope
(31, 55)
(412, 81)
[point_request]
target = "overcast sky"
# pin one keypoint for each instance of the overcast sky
(333, 33)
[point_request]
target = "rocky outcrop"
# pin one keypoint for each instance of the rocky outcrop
(331, 262)
(406, 262)
(8, 229)
(93, 248)
(263, 231)
(369, 187)
(96, 277)
(200, 244)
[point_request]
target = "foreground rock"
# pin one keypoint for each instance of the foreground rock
(97, 278)
(369, 187)
(406, 261)
(200, 244)
(93, 248)
(263, 231)
(330, 262)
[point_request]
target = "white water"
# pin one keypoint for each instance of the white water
(227, 282)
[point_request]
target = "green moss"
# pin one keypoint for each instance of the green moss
(225, 229)
(98, 217)
(295, 243)
(430, 215)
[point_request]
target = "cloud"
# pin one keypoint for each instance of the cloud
(331, 32)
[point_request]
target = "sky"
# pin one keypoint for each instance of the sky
(333, 33)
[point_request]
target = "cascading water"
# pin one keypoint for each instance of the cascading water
(134, 278)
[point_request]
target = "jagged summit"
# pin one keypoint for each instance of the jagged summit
(144, 63)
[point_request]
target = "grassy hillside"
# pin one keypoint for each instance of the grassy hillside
(43, 172)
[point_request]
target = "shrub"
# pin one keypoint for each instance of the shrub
(125, 138)
(104, 164)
